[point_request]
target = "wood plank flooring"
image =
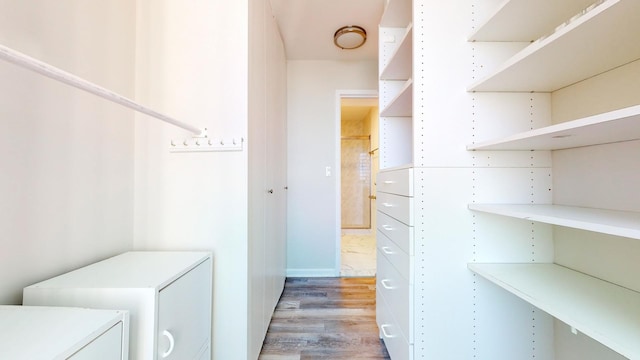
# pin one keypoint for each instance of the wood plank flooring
(325, 318)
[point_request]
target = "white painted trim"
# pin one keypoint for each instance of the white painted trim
(342, 94)
(330, 272)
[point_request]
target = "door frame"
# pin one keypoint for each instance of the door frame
(343, 94)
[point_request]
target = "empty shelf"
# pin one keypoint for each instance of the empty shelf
(612, 222)
(601, 310)
(610, 127)
(402, 104)
(525, 20)
(400, 65)
(600, 40)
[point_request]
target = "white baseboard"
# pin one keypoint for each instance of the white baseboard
(312, 273)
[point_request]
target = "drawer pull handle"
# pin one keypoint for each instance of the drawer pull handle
(385, 284)
(387, 250)
(387, 204)
(171, 343)
(388, 182)
(383, 328)
(387, 227)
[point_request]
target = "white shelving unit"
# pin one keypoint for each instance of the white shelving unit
(603, 311)
(579, 46)
(591, 44)
(615, 126)
(396, 84)
(394, 236)
(548, 136)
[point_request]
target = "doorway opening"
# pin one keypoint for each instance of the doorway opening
(358, 124)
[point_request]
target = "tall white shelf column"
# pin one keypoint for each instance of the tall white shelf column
(512, 102)
(595, 305)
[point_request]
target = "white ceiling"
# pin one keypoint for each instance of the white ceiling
(307, 27)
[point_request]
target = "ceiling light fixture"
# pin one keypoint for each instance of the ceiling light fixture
(350, 37)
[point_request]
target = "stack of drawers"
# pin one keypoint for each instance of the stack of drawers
(395, 254)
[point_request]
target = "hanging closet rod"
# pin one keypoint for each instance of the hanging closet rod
(27, 62)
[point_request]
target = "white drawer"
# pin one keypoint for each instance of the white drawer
(396, 206)
(394, 254)
(401, 234)
(396, 291)
(397, 345)
(396, 182)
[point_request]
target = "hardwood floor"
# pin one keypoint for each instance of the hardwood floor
(325, 318)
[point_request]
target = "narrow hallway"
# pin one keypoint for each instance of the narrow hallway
(325, 318)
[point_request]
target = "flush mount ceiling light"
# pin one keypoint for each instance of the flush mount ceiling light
(350, 37)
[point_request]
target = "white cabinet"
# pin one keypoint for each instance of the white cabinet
(45, 333)
(168, 295)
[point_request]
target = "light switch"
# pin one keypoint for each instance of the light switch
(327, 171)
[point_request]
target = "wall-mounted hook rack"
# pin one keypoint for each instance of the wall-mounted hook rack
(206, 144)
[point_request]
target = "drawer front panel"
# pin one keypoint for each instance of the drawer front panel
(396, 291)
(399, 259)
(396, 206)
(401, 234)
(184, 314)
(397, 345)
(396, 182)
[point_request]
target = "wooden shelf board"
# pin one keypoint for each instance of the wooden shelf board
(612, 222)
(601, 310)
(401, 105)
(525, 20)
(397, 13)
(602, 39)
(614, 126)
(400, 65)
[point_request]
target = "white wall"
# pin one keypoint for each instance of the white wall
(66, 187)
(191, 68)
(312, 139)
